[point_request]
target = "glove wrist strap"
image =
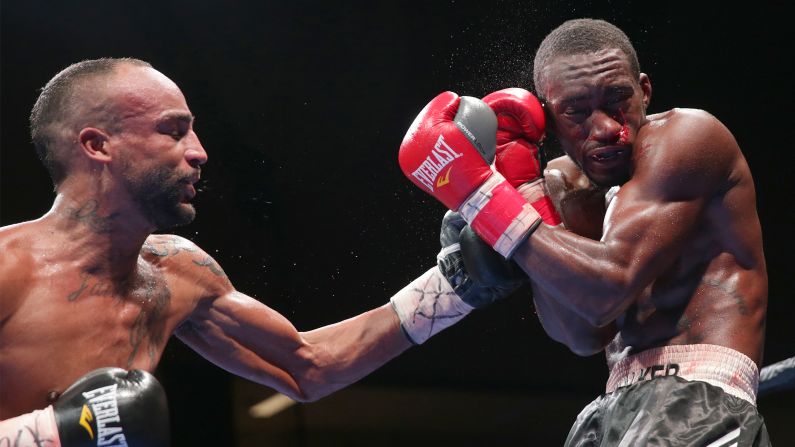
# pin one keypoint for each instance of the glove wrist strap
(428, 305)
(500, 215)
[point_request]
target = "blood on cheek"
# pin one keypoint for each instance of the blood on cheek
(623, 134)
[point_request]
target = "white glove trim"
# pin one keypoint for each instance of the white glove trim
(428, 305)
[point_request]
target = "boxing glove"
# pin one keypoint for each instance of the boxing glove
(106, 407)
(520, 128)
(447, 152)
(477, 274)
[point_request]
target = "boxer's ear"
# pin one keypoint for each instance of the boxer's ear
(645, 86)
(93, 143)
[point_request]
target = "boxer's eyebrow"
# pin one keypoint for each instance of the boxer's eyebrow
(179, 116)
(575, 98)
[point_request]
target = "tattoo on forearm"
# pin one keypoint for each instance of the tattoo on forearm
(87, 213)
(731, 292)
(210, 264)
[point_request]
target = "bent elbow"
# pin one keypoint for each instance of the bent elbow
(303, 397)
(611, 303)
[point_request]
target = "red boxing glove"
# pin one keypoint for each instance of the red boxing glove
(521, 122)
(447, 152)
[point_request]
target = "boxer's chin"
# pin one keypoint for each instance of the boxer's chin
(607, 178)
(182, 214)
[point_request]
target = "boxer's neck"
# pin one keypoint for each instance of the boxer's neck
(99, 233)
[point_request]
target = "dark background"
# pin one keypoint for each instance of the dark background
(302, 105)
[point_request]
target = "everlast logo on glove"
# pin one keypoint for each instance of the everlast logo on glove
(441, 155)
(105, 409)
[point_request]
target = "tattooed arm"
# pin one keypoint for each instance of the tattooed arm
(249, 339)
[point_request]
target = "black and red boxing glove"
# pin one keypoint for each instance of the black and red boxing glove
(106, 407)
(520, 128)
(447, 152)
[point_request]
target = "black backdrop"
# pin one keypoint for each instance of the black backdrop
(302, 105)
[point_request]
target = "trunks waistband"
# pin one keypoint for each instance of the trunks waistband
(723, 367)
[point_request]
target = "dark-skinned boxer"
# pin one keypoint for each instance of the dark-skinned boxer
(672, 285)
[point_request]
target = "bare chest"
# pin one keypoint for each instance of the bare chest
(70, 324)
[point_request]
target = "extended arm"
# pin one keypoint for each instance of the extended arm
(251, 340)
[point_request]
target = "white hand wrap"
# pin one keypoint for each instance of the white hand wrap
(30, 430)
(427, 305)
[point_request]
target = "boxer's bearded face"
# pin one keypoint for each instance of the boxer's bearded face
(158, 153)
(162, 196)
(596, 107)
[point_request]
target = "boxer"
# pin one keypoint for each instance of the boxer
(88, 286)
(669, 281)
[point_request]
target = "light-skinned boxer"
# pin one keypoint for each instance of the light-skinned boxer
(88, 287)
(659, 260)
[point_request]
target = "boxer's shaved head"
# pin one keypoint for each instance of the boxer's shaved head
(71, 100)
(581, 36)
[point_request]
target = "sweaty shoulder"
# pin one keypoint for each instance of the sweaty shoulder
(684, 152)
(184, 262)
(16, 266)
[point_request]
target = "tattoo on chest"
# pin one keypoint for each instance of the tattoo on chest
(89, 287)
(152, 295)
(88, 214)
(149, 321)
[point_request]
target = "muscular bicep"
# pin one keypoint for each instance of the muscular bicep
(247, 338)
(643, 236)
(646, 226)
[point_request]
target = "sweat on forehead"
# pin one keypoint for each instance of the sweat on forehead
(581, 36)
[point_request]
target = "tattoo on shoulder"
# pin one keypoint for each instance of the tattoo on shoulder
(210, 264)
(169, 246)
(88, 214)
(726, 288)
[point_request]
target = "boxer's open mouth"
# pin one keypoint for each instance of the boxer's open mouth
(607, 154)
